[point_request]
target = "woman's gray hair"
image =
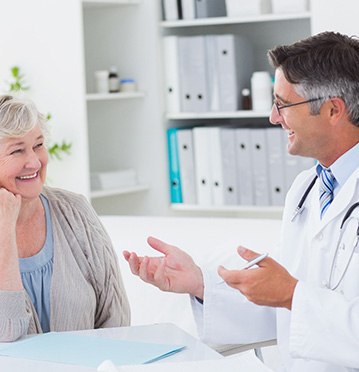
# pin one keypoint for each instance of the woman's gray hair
(325, 65)
(19, 116)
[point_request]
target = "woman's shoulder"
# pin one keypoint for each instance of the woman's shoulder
(56, 195)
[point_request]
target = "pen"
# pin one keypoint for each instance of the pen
(254, 261)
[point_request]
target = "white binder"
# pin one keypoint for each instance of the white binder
(276, 164)
(188, 9)
(212, 73)
(202, 156)
(234, 67)
(244, 174)
(170, 10)
(186, 162)
(259, 153)
(192, 67)
(229, 166)
(172, 83)
(291, 163)
(210, 8)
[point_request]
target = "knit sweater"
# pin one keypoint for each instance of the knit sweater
(87, 291)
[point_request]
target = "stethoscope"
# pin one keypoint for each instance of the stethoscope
(348, 222)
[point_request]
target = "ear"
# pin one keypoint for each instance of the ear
(338, 109)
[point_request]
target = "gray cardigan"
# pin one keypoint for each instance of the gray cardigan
(87, 290)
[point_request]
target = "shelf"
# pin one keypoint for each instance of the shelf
(111, 96)
(252, 210)
(101, 3)
(214, 21)
(118, 191)
(217, 115)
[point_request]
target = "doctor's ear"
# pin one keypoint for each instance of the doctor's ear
(337, 108)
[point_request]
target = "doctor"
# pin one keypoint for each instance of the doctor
(308, 296)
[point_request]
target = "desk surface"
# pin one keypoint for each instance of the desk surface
(157, 333)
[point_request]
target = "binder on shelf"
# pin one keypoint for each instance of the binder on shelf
(188, 9)
(192, 72)
(174, 170)
(223, 166)
(172, 82)
(212, 73)
(171, 10)
(244, 166)
(202, 156)
(233, 61)
(210, 8)
(276, 164)
(186, 165)
(291, 167)
(259, 154)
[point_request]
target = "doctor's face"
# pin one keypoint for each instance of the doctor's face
(307, 133)
(23, 162)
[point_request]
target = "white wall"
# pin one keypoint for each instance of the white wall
(333, 15)
(44, 38)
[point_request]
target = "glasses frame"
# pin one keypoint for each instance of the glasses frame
(280, 107)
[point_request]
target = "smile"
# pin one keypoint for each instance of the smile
(28, 177)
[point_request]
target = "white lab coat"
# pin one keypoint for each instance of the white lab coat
(321, 332)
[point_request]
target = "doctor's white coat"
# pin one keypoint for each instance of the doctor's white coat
(321, 332)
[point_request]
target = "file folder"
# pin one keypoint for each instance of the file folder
(188, 9)
(174, 170)
(202, 156)
(170, 10)
(234, 63)
(192, 68)
(260, 166)
(291, 168)
(276, 164)
(212, 73)
(244, 174)
(210, 8)
(172, 83)
(223, 167)
(186, 164)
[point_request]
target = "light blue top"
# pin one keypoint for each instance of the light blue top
(36, 273)
(343, 167)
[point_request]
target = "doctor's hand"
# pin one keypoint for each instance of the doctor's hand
(269, 285)
(174, 272)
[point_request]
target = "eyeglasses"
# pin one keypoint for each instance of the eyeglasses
(280, 107)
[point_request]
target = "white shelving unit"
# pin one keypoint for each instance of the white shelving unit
(111, 96)
(263, 31)
(220, 21)
(119, 124)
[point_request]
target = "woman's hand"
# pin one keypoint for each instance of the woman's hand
(9, 208)
(174, 272)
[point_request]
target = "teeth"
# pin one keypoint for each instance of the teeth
(28, 177)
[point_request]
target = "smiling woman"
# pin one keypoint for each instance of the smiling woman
(58, 270)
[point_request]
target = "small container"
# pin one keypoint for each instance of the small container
(246, 99)
(128, 85)
(113, 80)
(261, 87)
(101, 81)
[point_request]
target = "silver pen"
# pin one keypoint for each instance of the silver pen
(251, 263)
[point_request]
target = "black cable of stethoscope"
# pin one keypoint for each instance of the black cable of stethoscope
(299, 207)
(349, 212)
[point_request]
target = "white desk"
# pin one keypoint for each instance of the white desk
(157, 333)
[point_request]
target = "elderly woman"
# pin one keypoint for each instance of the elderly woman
(58, 270)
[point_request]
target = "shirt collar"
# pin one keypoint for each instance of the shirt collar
(344, 166)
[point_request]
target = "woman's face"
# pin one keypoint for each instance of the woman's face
(23, 162)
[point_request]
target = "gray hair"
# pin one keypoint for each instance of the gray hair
(325, 65)
(19, 116)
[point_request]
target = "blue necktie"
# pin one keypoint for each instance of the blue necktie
(326, 188)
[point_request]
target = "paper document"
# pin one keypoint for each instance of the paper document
(87, 351)
(243, 362)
